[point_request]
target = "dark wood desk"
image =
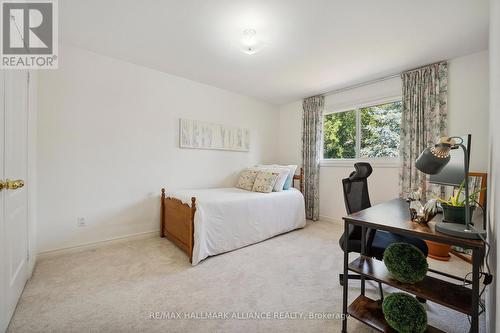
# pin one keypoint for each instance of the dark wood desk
(394, 216)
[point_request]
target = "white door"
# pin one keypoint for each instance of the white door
(14, 195)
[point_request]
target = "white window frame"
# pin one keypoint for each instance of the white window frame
(382, 162)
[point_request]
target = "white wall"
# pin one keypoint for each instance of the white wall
(468, 113)
(493, 292)
(108, 142)
(468, 104)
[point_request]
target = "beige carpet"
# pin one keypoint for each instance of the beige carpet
(116, 288)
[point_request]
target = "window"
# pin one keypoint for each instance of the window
(365, 132)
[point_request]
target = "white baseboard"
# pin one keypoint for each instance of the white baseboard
(95, 245)
(330, 219)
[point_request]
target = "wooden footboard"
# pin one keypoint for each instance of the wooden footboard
(177, 222)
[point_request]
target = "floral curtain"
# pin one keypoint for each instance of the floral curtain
(312, 131)
(424, 121)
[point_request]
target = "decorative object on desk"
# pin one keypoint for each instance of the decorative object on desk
(415, 206)
(404, 313)
(419, 213)
(454, 208)
(203, 135)
(432, 161)
(431, 208)
(405, 262)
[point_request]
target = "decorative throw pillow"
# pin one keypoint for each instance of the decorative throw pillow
(247, 179)
(289, 179)
(265, 182)
(282, 176)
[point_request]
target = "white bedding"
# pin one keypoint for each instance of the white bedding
(230, 218)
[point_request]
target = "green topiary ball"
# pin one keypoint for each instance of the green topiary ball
(404, 313)
(405, 262)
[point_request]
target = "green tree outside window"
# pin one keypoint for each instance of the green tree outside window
(339, 130)
(379, 132)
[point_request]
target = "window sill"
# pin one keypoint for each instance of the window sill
(375, 162)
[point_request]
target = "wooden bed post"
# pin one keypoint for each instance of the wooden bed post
(302, 180)
(162, 214)
(193, 211)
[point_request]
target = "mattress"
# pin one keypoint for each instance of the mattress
(230, 218)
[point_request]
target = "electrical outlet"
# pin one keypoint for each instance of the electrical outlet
(80, 222)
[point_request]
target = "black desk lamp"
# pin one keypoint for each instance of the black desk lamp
(432, 161)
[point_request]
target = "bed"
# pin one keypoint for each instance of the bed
(208, 222)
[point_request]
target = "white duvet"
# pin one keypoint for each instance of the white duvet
(230, 218)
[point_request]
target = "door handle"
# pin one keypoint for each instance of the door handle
(2, 185)
(13, 184)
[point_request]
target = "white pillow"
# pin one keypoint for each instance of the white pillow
(265, 181)
(282, 175)
(289, 179)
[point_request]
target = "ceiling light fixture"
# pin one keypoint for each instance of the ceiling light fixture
(249, 41)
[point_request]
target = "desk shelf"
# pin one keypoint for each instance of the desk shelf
(370, 312)
(394, 216)
(448, 294)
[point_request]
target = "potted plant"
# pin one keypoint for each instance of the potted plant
(453, 211)
(454, 208)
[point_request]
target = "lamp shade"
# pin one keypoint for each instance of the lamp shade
(433, 160)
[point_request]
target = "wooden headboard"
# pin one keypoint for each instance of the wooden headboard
(300, 178)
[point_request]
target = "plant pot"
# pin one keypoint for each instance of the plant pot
(454, 214)
(438, 251)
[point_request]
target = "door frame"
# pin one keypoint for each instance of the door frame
(32, 176)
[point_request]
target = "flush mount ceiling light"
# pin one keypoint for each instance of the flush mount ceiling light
(249, 41)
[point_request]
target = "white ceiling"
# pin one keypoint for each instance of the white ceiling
(309, 46)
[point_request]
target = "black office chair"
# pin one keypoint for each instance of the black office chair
(356, 198)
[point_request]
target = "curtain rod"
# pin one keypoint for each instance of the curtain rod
(385, 78)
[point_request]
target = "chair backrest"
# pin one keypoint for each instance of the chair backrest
(356, 198)
(355, 188)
